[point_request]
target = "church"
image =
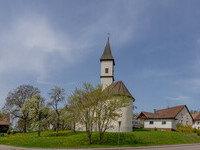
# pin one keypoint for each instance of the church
(118, 89)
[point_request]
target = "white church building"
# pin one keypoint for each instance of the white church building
(118, 89)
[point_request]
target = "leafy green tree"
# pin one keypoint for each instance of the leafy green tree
(82, 108)
(108, 109)
(193, 111)
(57, 96)
(15, 101)
(38, 112)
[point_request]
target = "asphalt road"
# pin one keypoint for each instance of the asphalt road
(165, 147)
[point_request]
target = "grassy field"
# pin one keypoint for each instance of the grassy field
(67, 139)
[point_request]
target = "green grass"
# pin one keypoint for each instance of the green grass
(67, 139)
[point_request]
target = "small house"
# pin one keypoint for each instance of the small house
(4, 123)
(166, 119)
(196, 118)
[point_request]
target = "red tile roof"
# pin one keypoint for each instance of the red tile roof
(196, 116)
(5, 120)
(118, 88)
(168, 113)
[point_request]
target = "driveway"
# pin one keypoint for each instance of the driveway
(164, 147)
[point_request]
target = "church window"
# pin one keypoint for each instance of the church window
(163, 122)
(106, 70)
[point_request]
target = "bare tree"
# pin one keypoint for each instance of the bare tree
(15, 101)
(57, 96)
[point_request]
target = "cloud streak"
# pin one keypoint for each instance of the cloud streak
(179, 98)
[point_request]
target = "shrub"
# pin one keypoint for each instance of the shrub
(179, 125)
(8, 132)
(187, 129)
(195, 130)
(14, 132)
(155, 129)
(1, 134)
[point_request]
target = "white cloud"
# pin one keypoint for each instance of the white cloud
(179, 98)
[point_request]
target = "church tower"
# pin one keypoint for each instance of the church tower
(107, 66)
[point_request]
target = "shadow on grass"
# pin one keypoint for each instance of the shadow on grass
(62, 133)
(141, 129)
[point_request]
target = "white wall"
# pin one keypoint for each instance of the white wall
(196, 124)
(184, 117)
(157, 123)
(107, 80)
(126, 119)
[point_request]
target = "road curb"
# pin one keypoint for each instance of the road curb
(6, 147)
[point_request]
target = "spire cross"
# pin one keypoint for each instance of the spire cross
(108, 35)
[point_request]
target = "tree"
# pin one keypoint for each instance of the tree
(15, 101)
(95, 108)
(57, 95)
(82, 107)
(193, 111)
(108, 109)
(37, 111)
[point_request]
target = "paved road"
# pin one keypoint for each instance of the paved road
(165, 147)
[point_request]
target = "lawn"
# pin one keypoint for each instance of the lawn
(67, 139)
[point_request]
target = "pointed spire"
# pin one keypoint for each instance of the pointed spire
(107, 54)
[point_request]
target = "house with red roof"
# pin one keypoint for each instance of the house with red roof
(4, 123)
(166, 119)
(196, 118)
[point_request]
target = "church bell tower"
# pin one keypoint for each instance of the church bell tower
(107, 66)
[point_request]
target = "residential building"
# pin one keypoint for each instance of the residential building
(166, 119)
(4, 123)
(196, 118)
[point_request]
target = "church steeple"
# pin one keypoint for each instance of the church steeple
(107, 66)
(107, 54)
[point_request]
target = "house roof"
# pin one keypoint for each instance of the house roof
(107, 54)
(196, 116)
(168, 113)
(5, 120)
(118, 88)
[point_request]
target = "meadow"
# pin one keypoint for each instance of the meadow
(67, 139)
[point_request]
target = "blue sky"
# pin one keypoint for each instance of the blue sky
(156, 46)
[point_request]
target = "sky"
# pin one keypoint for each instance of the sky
(155, 44)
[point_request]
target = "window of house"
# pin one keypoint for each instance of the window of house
(106, 70)
(186, 122)
(150, 122)
(163, 122)
(198, 122)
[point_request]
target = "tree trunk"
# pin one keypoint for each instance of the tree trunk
(24, 128)
(57, 131)
(100, 138)
(89, 139)
(39, 130)
(57, 126)
(74, 127)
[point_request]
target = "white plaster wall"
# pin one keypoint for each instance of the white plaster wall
(184, 117)
(157, 123)
(126, 119)
(107, 64)
(196, 124)
(108, 80)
